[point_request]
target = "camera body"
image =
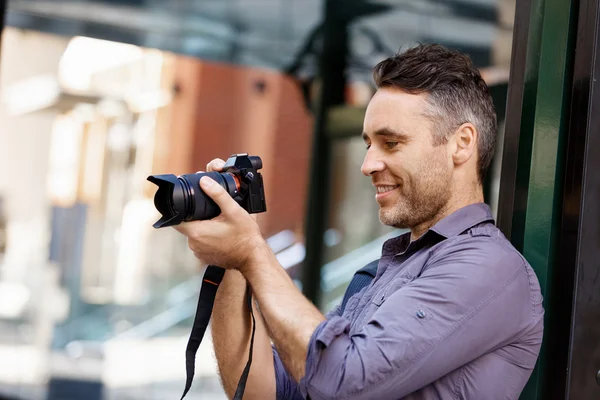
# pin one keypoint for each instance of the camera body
(180, 198)
(251, 192)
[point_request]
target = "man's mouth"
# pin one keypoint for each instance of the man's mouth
(383, 191)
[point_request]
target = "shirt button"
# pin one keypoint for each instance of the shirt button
(421, 314)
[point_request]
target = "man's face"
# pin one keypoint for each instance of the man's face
(411, 176)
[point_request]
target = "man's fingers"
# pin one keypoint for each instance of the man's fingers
(193, 229)
(215, 165)
(196, 230)
(184, 228)
(219, 195)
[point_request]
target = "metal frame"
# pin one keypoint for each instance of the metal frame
(533, 170)
(331, 62)
(510, 192)
(579, 255)
(332, 67)
(569, 366)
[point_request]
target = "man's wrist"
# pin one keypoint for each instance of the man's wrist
(260, 255)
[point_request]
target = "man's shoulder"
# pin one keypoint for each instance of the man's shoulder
(481, 260)
(481, 239)
(483, 246)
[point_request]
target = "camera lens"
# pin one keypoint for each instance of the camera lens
(180, 198)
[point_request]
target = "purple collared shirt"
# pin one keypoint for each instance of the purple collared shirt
(455, 314)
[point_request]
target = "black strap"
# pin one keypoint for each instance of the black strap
(210, 283)
(239, 393)
(361, 278)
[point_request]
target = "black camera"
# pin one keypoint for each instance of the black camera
(179, 198)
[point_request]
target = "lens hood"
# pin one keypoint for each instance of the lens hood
(169, 200)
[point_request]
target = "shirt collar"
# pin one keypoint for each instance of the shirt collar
(449, 226)
(463, 219)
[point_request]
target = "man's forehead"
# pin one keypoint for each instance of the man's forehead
(395, 110)
(390, 96)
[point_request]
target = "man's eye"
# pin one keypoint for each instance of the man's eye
(368, 146)
(391, 145)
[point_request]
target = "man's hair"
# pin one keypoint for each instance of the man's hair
(456, 93)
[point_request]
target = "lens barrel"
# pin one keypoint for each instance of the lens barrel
(181, 199)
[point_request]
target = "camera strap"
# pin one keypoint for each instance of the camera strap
(210, 283)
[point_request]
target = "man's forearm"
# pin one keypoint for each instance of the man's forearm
(291, 319)
(231, 331)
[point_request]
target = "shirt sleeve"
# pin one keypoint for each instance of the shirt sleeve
(286, 385)
(460, 308)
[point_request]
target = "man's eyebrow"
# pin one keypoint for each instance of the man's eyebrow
(387, 132)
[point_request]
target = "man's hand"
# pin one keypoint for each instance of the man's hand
(231, 329)
(230, 240)
(233, 240)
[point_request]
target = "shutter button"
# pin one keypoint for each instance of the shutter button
(421, 314)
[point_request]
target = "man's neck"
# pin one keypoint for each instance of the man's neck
(454, 204)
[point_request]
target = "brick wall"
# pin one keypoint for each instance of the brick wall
(223, 109)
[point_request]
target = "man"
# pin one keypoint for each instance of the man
(454, 312)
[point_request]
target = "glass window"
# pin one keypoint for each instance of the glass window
(92, 298)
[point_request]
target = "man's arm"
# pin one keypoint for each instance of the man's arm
(231, 331)
(455, 312)
(290, 318)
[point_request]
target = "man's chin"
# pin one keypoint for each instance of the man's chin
(390, 219)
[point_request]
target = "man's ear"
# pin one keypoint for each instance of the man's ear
(465, 143)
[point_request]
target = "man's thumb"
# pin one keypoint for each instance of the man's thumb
(217, 193)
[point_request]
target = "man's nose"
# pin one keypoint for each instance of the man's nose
(371, 164)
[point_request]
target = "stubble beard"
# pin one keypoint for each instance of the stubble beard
(420, 200)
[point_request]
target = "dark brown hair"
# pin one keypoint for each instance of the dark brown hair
(456, 93)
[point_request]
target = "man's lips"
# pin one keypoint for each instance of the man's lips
(384, 190)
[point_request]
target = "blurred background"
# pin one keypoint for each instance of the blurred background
(97, 95)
